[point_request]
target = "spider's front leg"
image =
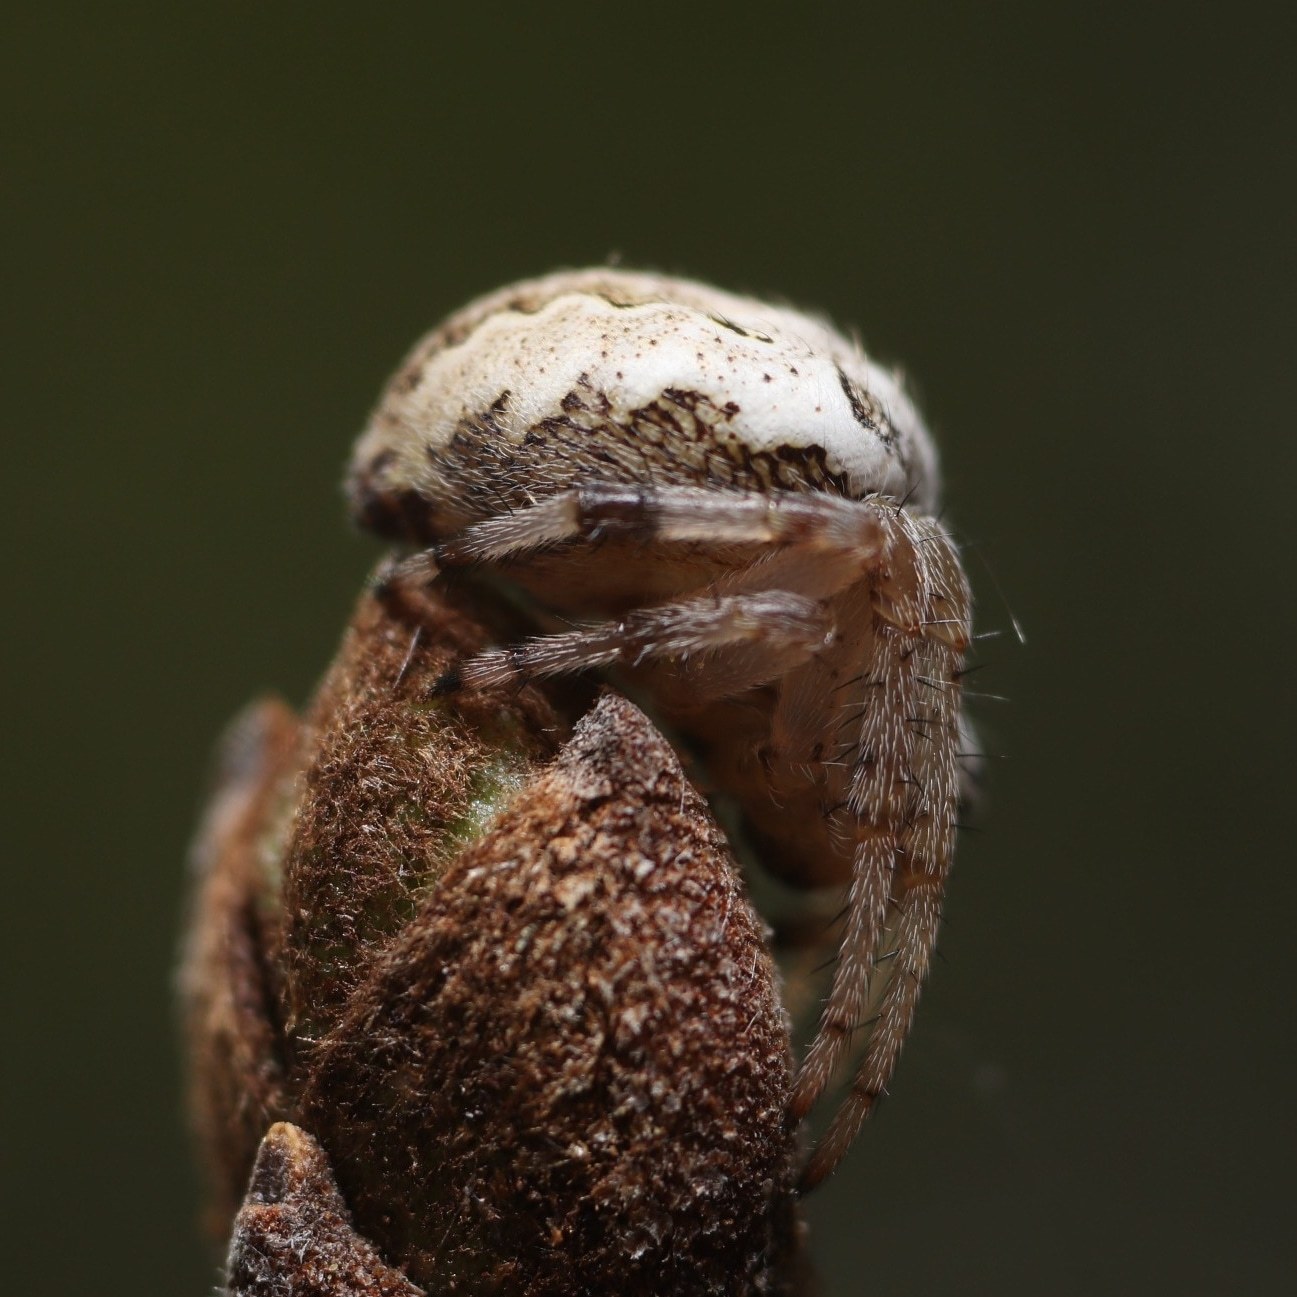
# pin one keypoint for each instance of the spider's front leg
(673, 514)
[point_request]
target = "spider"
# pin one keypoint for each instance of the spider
(739, 508)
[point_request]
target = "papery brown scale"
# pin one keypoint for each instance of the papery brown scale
(227, 984)
(293, 1233)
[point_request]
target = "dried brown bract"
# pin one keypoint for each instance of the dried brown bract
(493, 955)
(293, 1233)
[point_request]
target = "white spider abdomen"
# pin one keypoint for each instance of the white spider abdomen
(614, 376)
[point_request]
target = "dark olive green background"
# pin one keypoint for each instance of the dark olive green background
(222, 226)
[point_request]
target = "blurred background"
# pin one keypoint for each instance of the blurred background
(1071, 223)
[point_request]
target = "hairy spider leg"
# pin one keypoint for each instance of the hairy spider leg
(785, 625)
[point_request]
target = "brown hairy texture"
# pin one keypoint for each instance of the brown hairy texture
(570, 1073)
(503, 970)
(394, 784)
(236, 1065)
(293, 1233)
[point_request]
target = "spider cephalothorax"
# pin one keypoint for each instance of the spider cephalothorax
(744, 505)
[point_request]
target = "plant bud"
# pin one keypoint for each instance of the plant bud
(493, 960)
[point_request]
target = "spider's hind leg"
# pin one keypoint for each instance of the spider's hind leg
(903, 803)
